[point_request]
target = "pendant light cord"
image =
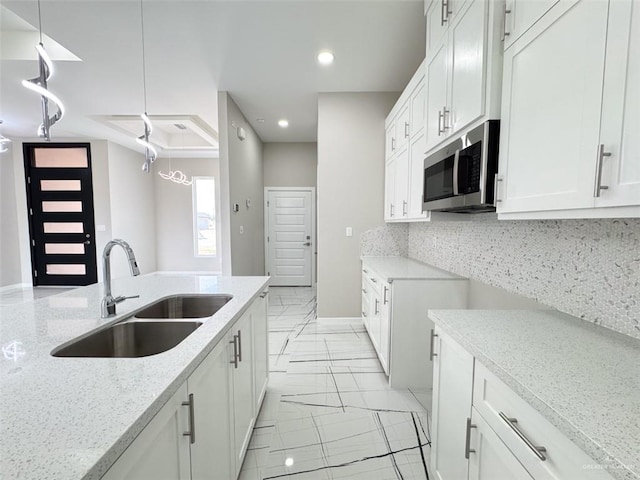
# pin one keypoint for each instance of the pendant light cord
(39, 21)
(144, 69)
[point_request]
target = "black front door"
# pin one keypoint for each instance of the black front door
(61, 217)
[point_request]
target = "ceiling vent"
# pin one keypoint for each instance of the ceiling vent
(173, 134)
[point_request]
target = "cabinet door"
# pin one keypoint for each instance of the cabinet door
(242, 386)
(260, 345)
(520, 15)
(416, 178)
(403, 127)
(436, 95)
(385, 327)
(467, 77)
(551, 104)
(416, 123)
(491, 459)
(401, 190)
(436, 26)
(374, 320)
(452, 393)
(161, 451)
(620, 131)
(212, 451)
(390, 208)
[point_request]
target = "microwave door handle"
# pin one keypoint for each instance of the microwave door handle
(456, 159)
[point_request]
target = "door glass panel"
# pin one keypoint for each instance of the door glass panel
(63, 227)
(60, 185)
(66, 269)
(49, 206)
(64, 248)
(60, 158)
(204, 202)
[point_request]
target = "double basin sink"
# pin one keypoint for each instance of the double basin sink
(156, 328)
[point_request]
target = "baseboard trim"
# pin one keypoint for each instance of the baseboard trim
(15, 286)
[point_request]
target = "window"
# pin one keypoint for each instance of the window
(204, 211)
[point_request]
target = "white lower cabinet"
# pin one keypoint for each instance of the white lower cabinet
(203, 431)
(493, 433)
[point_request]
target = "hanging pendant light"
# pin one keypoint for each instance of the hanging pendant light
(176, 176)
(150, 153)
(39, 85)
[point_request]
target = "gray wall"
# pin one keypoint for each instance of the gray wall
(10, 265)
(241, 179)
(350, 182)
(290, 164)
(174, 216)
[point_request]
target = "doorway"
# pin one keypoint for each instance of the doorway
(290, 235)
(61, 216)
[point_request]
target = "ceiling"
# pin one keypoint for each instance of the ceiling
(262, 52)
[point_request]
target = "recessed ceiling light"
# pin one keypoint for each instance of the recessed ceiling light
(284, 123)
(289, 462)
(325, 57)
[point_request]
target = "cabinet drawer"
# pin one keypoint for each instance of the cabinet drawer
(371, 281)
(563, 459)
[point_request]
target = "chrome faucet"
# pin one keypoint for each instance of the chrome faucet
(108, 306)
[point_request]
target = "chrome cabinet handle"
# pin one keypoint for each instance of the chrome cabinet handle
(538, 451)
(391, 210)
(376, 309)
(505, 34)
(432, 344)
(598, 185)
(467, 443)
(444, 12)
(404, 208)
(386, 289)
(264, 294)
(406, 129)
(393, 144)
(440, 118)
(364, 291)
(496, 200)
(239, 346)
(445, 112)
(192, 419)
(373, 280)
(235, 351)
(364, 314)
(306, 244)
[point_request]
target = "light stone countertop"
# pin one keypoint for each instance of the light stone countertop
(402, 268)
(583, 378)
(71, 418)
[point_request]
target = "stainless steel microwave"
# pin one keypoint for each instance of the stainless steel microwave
(460, 177)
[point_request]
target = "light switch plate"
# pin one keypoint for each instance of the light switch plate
(241, 229)
(349, 232)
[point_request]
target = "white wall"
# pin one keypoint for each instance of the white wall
(133, 213)
(241, 179)
(10, 263)
(290, 164)
(350, 182)
(174, 216)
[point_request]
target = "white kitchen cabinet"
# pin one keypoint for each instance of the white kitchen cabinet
(389, 140)
(569, 147)
(208, 389)
(464, 71)
(491, 459)
(404, 158)
(239, 341)
(436, 26)
(161, 450)
(452, 395)
(482, 425)
(620, 127)
(520, 15)
(203, 431)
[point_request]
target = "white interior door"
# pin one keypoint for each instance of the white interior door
(290, 236)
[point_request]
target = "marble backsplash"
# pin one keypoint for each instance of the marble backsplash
(391, 239)
(587, 268)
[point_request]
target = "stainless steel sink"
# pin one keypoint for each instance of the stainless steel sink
(185, 306)
(130, 339)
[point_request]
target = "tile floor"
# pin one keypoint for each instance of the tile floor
(329, 412)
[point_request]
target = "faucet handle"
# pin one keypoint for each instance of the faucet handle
(122, 298)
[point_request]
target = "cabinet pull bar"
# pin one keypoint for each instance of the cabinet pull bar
(440, 117)
(364, 291)
(393, 144)
(263, 294)
(505, 34)
(239, 346)
(598, 185)
(406, 129)
(377, 309)
(467, 443)
(386, 289)
(496, 200)
(432, 345)
(373, 280)
(538, 451)
(192, 419)
(235, 351)
(364, 314)
(445, 112)
(404, 208)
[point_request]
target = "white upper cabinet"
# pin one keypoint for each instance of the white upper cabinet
(464, 70)
(404, 154)
(620, 128)
(568, 121)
